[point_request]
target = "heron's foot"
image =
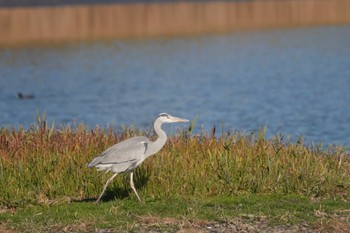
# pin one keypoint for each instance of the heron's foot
(97, 202)
(139, 199)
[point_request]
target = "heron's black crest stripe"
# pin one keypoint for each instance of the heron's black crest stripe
(164, 115)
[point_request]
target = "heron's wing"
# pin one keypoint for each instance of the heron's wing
(126, 151)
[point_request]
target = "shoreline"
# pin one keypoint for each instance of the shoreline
(21, 26)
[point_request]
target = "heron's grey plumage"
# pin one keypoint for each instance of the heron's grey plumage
(129, 154)
(121, 157)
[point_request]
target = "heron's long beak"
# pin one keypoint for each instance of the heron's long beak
(177, 119)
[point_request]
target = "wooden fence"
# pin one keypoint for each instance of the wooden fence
(20, 26)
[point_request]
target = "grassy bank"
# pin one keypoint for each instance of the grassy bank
(32, 25)
(242, 213)
(45, 164)
(44, 182)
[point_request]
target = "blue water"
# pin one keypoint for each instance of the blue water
(294, 81)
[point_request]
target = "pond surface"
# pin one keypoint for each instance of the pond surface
(294, 81)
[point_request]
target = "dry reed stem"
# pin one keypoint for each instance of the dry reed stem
(73, 23)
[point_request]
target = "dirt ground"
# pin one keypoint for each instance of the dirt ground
(337, 222)
(246, 224)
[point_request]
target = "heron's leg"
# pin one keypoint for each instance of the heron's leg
(133, 187)
(104, 188)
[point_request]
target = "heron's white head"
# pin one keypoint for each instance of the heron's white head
(167, 118)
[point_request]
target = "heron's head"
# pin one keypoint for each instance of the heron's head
(167, 118)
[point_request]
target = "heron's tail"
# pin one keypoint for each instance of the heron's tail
(94, 162)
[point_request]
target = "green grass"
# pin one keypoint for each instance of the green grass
(44, 178)
(128, 214)
(45, 165)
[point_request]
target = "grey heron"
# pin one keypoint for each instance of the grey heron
(129, 154)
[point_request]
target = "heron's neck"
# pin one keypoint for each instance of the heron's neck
(159, 142)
